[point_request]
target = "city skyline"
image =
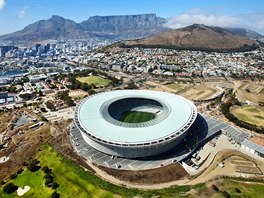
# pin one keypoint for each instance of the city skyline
(15, 15)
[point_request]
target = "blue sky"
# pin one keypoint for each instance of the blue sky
(16, 14)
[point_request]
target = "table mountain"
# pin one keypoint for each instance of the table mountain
(106, 27)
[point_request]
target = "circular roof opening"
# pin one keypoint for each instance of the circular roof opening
(134, 111)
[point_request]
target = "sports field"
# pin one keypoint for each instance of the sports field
(136, 117)
(96, 80)
(250, 114)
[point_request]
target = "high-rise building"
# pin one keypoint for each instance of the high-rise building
(4, 49)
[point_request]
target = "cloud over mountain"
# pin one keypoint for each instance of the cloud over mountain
(253, 21)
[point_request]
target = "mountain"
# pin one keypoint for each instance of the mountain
(125, 26)
(196, 37)
(54, 28)
(246, 32)
(106, 27)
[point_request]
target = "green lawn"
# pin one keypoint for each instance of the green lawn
(250, 114)
(71, 178)
(136, 117)
(96, 80)
(247, 190)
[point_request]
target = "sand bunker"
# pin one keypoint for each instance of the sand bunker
(21, 191)
(4, 159)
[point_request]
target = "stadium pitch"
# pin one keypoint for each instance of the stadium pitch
(136, 117)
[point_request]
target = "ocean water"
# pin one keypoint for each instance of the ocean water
(13, 73)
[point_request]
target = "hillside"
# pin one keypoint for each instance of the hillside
(196, 37)
(105, 27)
(54, 28)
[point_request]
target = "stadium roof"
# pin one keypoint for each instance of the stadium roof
(181, 115)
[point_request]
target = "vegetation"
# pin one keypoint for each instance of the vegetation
(136, 117)
(66, 98)
(94, 80)
(249, 114)
(10, 188)
(70, 180)
(131, 85)
(50, 105)
(33, 165)
(76, 84)
(225, 108)
(243, 48)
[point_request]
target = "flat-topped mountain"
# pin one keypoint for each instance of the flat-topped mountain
(109, 27)
(124, 24)
(196, 37)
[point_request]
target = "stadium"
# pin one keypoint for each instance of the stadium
(134, 123)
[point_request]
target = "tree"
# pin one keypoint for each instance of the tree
(91, 92)
(40, 93)
(69, 101)
(55, 195)
(10, 188)
(54, 185)
(26, 96)
(50, 105)
(85, 87)
(47, 170)
(48, 180)
(33, 165)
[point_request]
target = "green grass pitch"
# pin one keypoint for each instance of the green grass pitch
(136, 117)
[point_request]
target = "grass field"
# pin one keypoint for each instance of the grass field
(177, 87)
(250, 114)
(70, 177)
(247, 190)
(96, 80)
(136, 117)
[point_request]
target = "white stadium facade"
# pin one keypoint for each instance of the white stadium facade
(98, 119)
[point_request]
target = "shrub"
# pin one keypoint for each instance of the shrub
(54, 185)
(237, 190)
(226, 194)
(47, 170)
(33, 165)
(48, 180)
(215, 188)
(19, 171)
(55, 195)
(10, 188)
(13, 176)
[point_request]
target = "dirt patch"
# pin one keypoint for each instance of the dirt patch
(164, 174)
(200, 92)
(21, 143)
(61, 142)
(250, 91)
(258, 139)
(5, 119)
(231, 159)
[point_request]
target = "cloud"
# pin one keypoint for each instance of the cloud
(22, 13)
(253, 21)
(198, 16)
(2, 4)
